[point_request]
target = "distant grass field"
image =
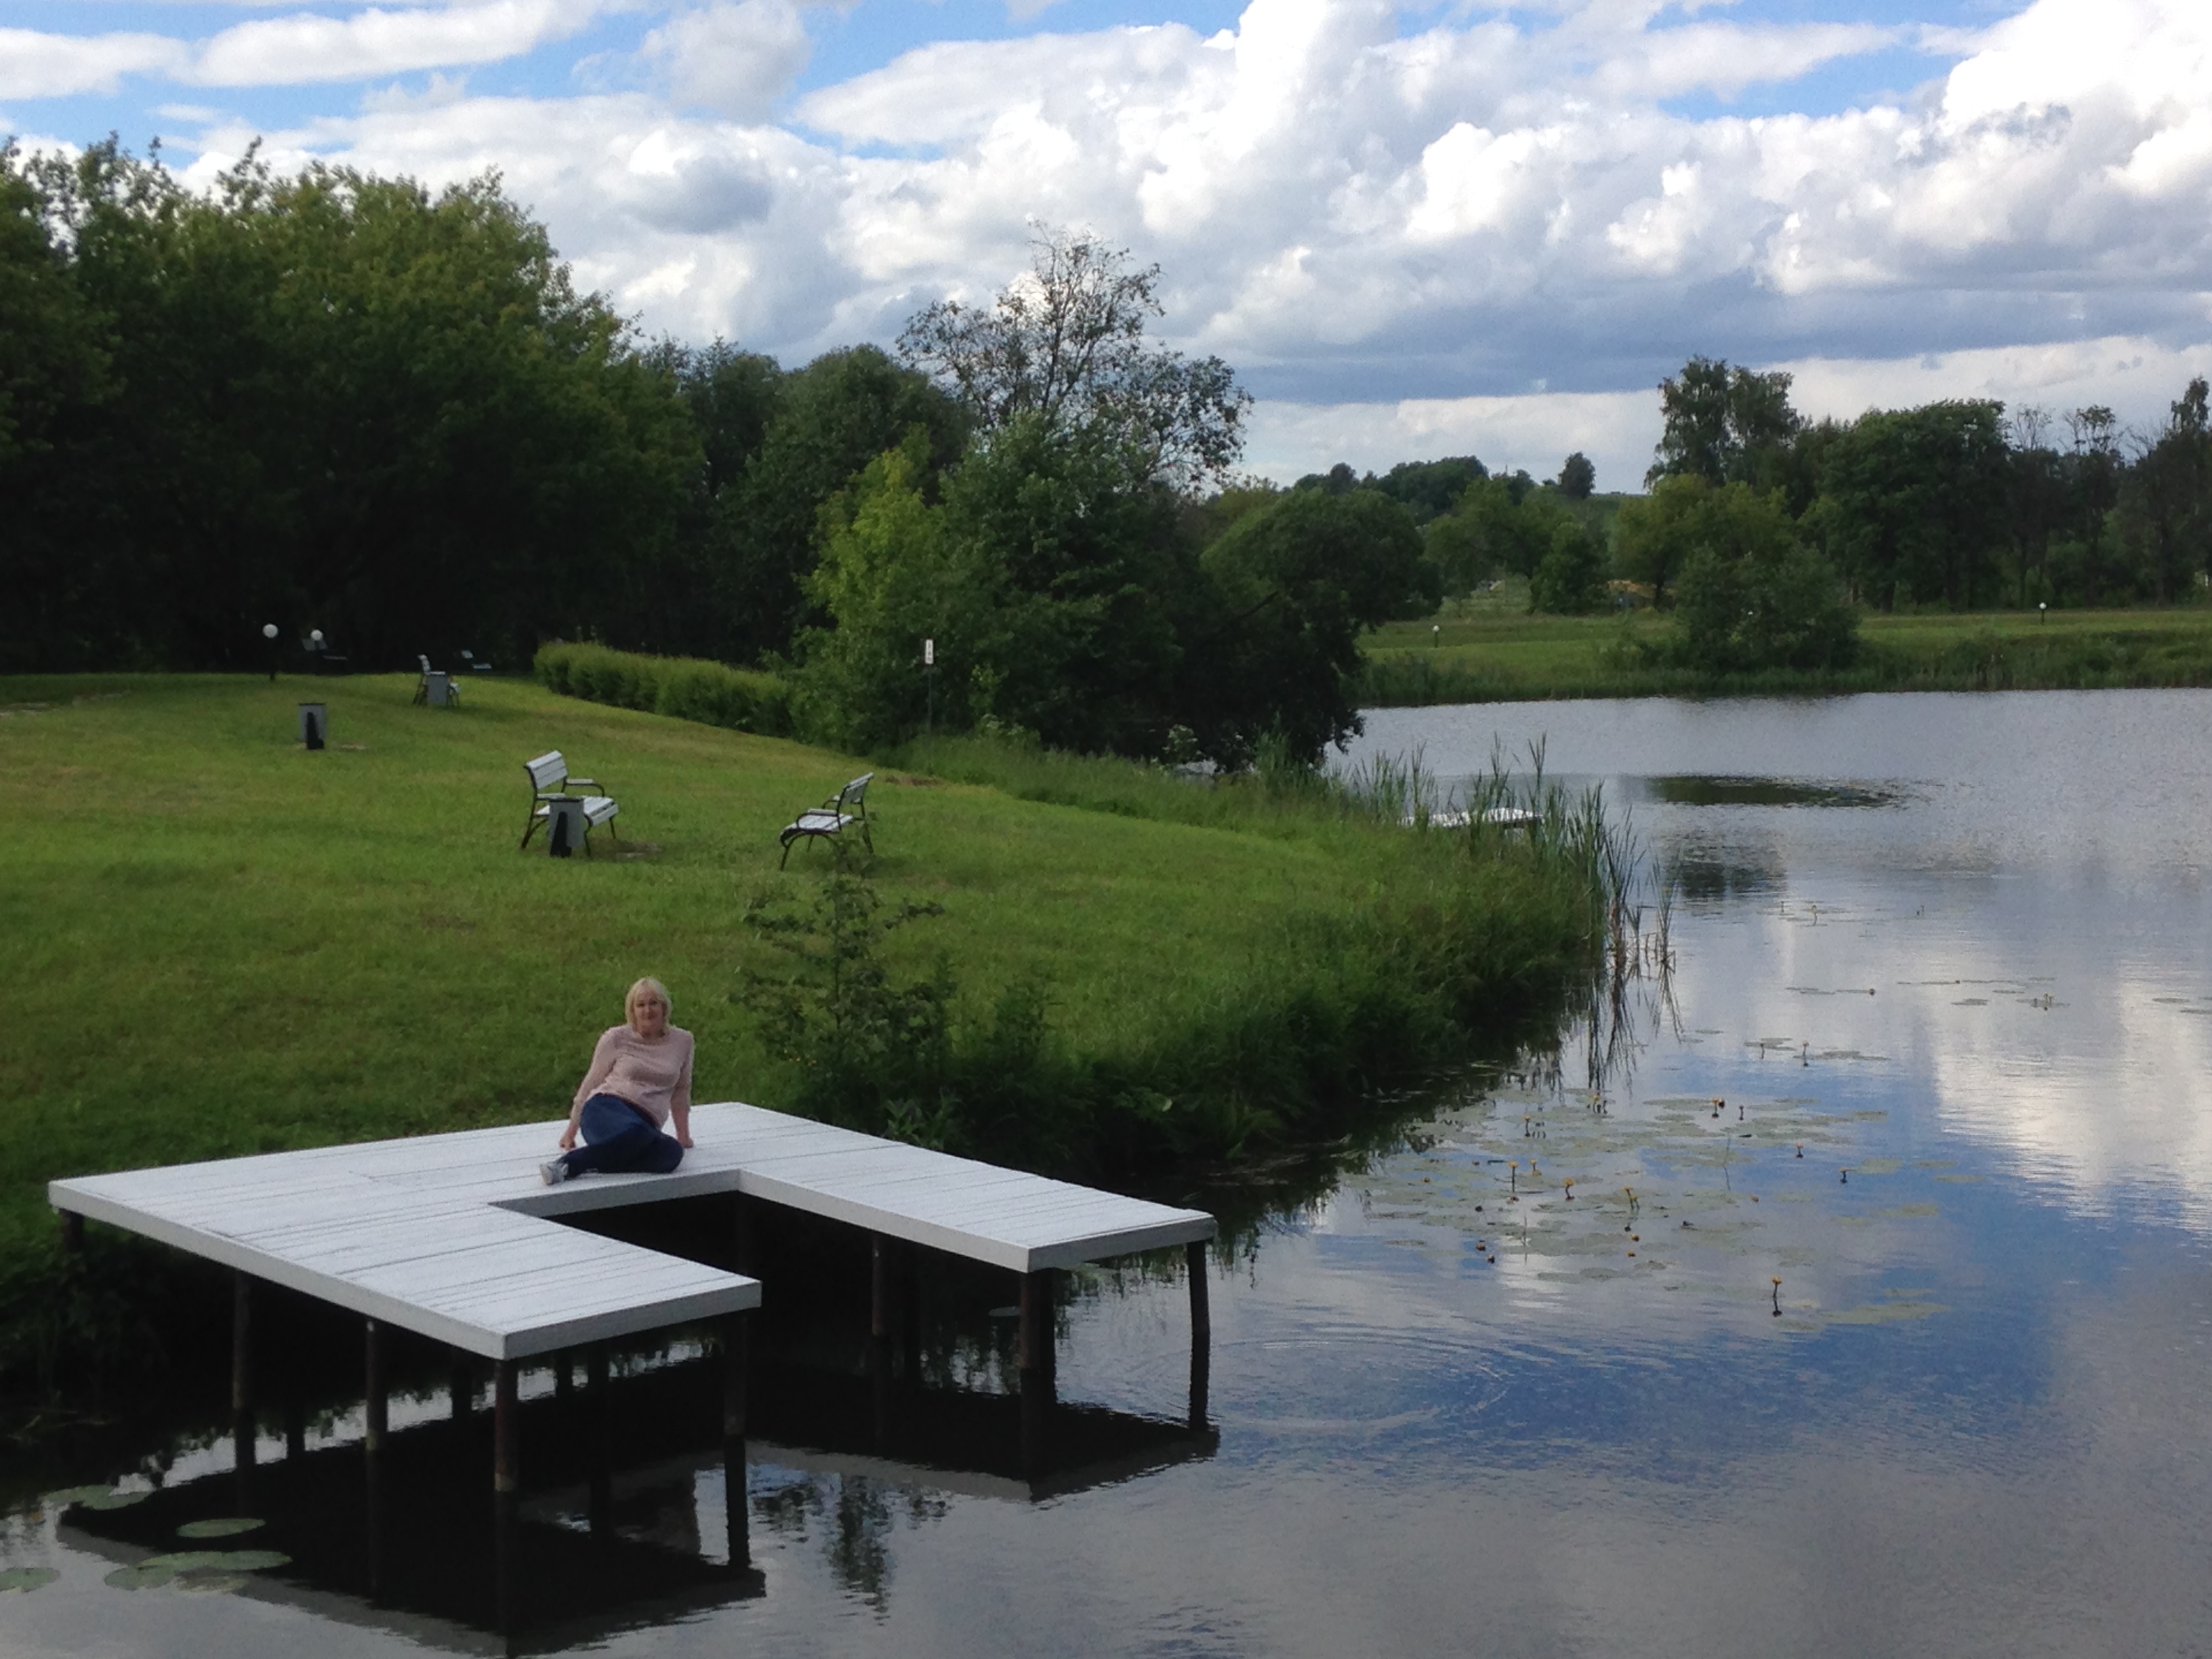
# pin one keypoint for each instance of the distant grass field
(223, 943)
(1493, 650)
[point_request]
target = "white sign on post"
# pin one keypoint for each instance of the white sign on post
(929, 653)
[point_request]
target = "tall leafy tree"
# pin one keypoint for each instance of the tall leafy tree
(829, 420)
(1912, 501)
(1724, 424)
(1753, 595)
(2094, 469)
(1291, 591)
(2166, 497)
(1065, 345)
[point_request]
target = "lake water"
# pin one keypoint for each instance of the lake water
(1948, 961)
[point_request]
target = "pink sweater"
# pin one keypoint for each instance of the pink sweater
(653, 1076)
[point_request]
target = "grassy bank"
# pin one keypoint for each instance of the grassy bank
(1497, 653)
(224, 944)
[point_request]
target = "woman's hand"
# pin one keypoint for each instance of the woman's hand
(568, 1138)
(684, 1138)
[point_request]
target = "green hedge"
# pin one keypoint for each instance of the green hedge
(683, 688)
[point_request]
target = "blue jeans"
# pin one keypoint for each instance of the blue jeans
(620, 1139)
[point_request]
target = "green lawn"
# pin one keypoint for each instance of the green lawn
(1494, 649)
(224, 944)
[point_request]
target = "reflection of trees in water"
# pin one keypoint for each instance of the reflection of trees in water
(1708, 879)
(854, 1516)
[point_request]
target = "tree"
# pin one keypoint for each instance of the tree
(1427, 490)
(1658, 532)
(1498, 525)
(1065, 343)
(831, 419)
(341, 401)
(2166, 497)
(1577, 477)
(1724, 425)
(1754, 597)
(1570, 579)
(2035, 495)
(2094, 477)
(1290, 592)
(1913, 500)
(55, 382)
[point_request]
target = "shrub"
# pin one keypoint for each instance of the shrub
(683, 688)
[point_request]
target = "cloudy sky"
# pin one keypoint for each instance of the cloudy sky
(1414, 231)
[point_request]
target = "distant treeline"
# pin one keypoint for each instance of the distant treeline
(337, 403)
(341, 403)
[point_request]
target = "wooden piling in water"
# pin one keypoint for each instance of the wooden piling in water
(506, 1432)
(241, 1343)
(1201, 1332)
(377, 1407)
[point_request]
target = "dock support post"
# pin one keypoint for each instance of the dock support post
(602, 1417)
(461, 1384)
(72, 1230)
(1039, 1382)
(564, 1381)
(505, 1432)
(910, 1318)
(241, 1367)
(376, 1408)
(880, 1299)
(1201, 1333)
(374, 1411)
(733, 1439)
(1036, 1334)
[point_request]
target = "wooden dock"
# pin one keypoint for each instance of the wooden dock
(455, 1238)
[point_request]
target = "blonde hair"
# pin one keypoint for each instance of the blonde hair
(648, 986)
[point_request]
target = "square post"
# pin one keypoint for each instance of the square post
(880, 1298)
(1201, 1333)
(1037, 1332)
(241, 1365)
(735, 1500)
(506, 1433)
(599, 1408)
(1036, 1355)
(379, 1388)
(72, 1231)
(374, 1411)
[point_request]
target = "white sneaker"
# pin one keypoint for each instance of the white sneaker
(554, 1171)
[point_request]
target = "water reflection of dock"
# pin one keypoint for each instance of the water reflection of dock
(636, 1517)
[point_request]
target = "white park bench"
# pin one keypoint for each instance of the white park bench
(552, 787)
(828, 821)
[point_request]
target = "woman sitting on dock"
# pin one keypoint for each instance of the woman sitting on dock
(641, 1077)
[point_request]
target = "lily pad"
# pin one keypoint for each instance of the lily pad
(26, 1578)
(106, 1498)
(230, 1560)
(226, 1526)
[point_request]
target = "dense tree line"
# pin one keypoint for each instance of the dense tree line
(337, 401)
(1764, 530)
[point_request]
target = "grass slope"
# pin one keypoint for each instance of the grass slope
(224, 944)
(1495, 651)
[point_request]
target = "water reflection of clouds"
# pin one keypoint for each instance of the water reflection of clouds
(2043, 844)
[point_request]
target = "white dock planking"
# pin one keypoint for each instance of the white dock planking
(453, 1236)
